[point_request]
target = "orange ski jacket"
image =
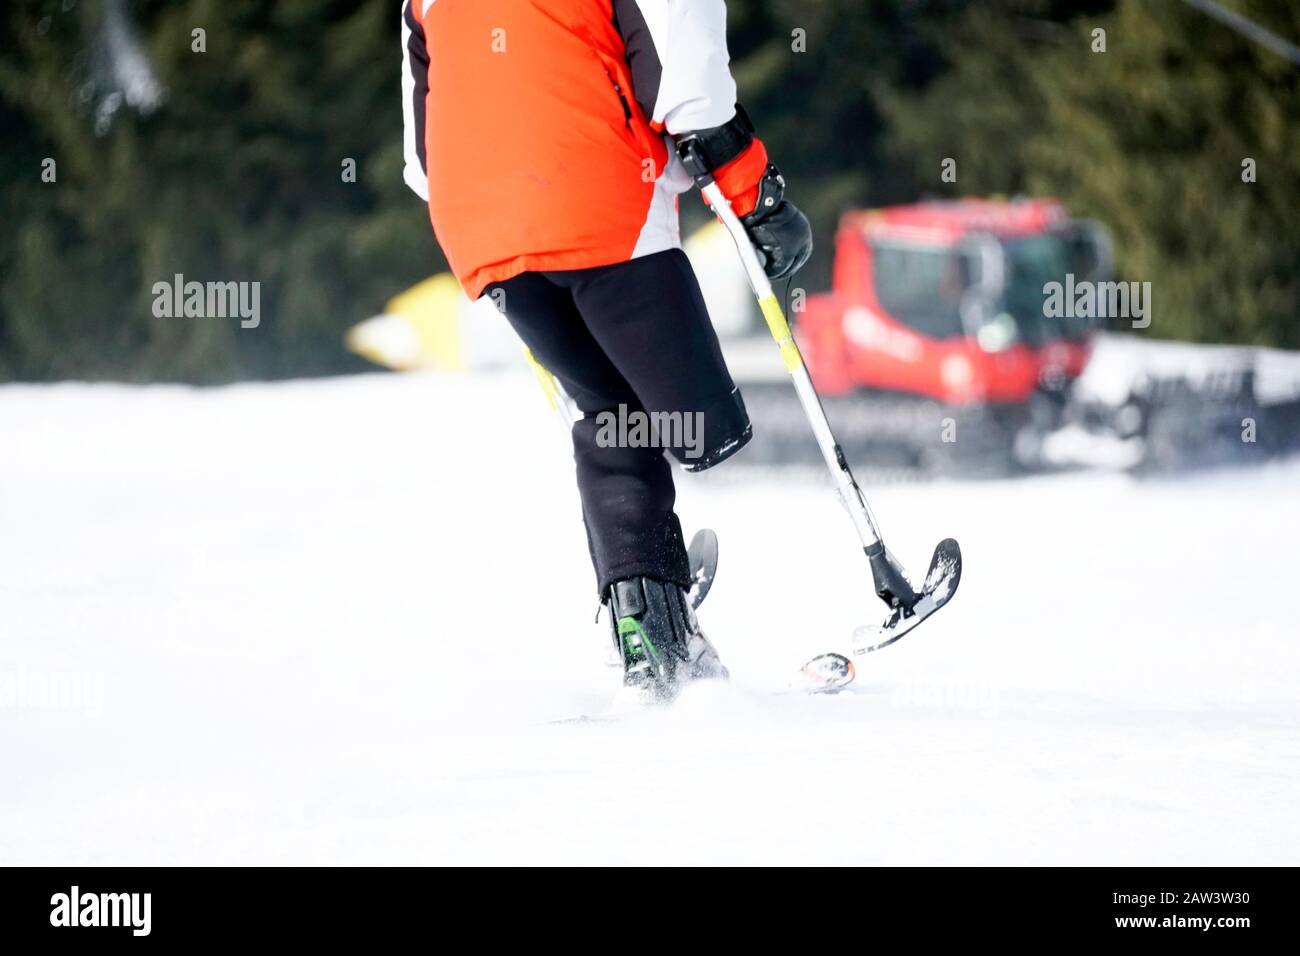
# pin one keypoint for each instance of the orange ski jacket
(536, 129)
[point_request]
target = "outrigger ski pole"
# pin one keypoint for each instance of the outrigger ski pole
(908, 607)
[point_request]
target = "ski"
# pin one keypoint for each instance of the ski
(703, 558)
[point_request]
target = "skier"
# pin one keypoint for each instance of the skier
(544, 135)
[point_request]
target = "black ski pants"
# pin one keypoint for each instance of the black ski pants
(623, 339)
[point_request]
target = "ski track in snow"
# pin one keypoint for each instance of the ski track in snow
(329, 621)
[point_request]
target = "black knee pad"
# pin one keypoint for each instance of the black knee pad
(726, 430)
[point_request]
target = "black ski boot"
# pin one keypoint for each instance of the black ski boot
(656, 633)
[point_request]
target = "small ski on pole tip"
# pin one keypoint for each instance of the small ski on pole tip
(830, 673)
(940, 585)
(908, 607)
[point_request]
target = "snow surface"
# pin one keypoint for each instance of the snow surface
(1121, 361)
(329, 622)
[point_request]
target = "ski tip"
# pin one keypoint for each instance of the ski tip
(703, 558)
(828, 673)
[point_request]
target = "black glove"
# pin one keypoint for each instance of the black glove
(778, 229)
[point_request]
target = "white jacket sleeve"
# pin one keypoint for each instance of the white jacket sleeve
(677, 50)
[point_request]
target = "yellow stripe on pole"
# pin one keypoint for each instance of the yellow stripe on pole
(780, 330)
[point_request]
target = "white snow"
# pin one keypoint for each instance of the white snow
(328, 622)
(1119, 362)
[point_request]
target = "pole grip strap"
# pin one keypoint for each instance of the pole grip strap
(703, 152)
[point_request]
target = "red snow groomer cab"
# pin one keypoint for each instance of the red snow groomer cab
(937, 336)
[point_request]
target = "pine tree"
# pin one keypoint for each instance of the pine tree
(1149, 137)
(237, 176)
